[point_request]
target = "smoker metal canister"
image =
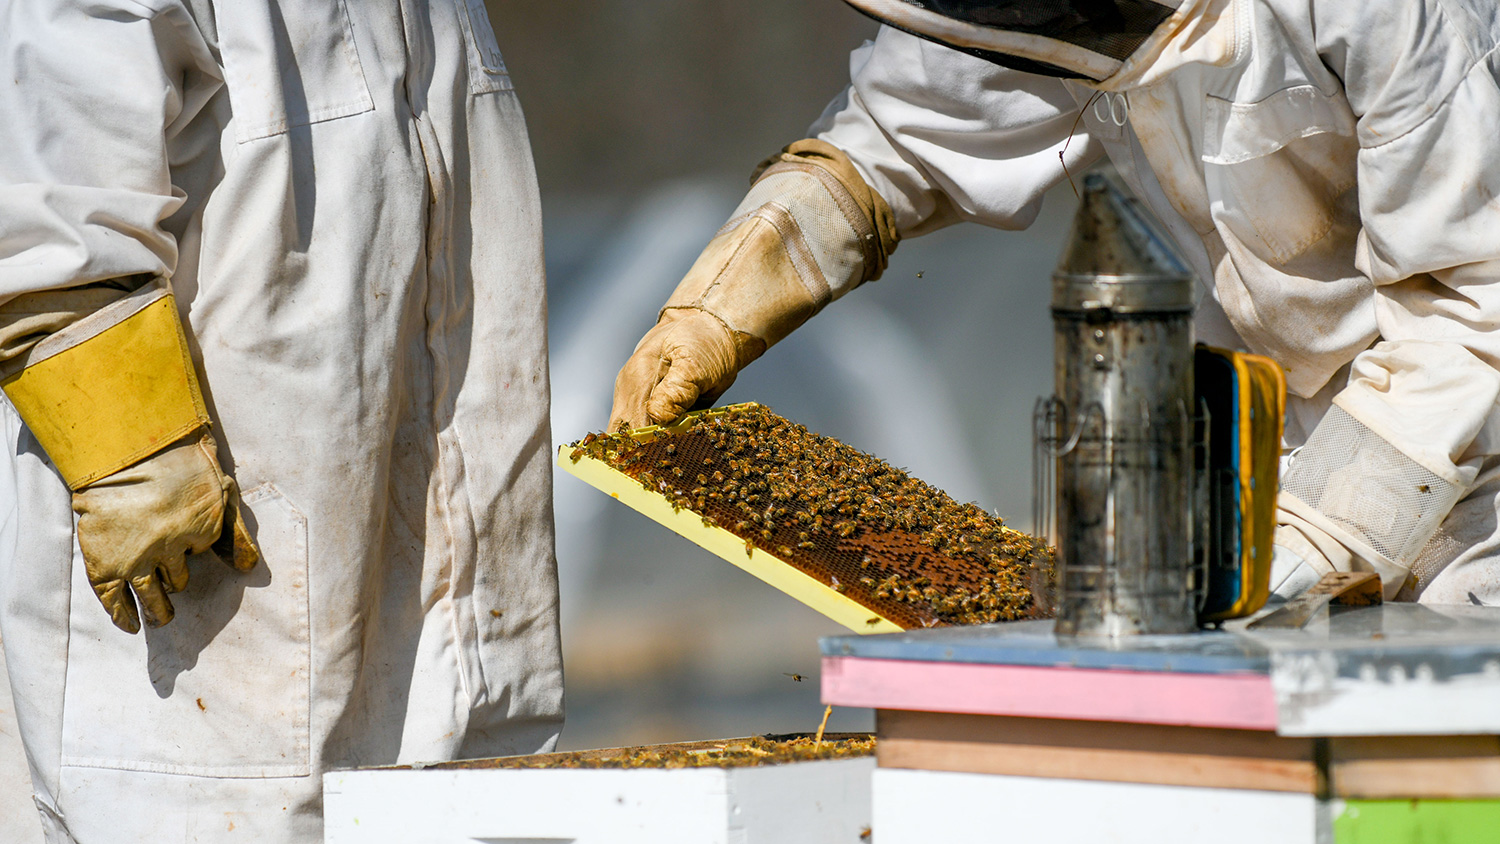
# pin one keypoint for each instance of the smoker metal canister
(1122, 421)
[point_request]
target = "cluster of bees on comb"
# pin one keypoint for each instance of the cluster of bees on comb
(891, 542)
(733, 753)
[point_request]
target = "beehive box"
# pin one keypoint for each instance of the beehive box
(734, 791)
(921, 807)
(846, 533)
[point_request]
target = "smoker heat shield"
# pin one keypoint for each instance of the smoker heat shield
(1245, 399)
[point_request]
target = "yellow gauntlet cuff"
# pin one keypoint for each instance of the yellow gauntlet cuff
(111, 389)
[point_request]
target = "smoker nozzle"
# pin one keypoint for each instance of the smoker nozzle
(1116, 258)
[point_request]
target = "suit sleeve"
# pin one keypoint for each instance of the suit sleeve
(93, 93)
(92, 350)
(946, 137)
(1411, 432)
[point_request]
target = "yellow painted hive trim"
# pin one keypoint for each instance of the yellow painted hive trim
(757, 561)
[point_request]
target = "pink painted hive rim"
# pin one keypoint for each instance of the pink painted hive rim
(1232, 701)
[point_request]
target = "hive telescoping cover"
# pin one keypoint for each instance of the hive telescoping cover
(851, 536)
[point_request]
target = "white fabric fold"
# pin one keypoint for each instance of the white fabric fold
(1328, 169)
(352, 231)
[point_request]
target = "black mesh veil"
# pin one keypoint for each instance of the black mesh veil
(1079, 39)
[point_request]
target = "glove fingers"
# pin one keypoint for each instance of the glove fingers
(671, 398)
(120, 605)
(156, 607)
(173, 573)
(689, 357)
(633, 386)
(685, 386)
(708, 397)
(235, 546)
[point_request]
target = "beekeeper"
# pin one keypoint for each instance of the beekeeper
(1328, 169)
(273, 294)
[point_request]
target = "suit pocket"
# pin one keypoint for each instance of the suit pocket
(289, 64)
(1277, 168)
(222, 690)
(487, 71)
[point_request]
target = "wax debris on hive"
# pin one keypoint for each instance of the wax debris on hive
(899, 546)
(725, 753)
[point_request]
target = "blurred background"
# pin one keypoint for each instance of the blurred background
(646, 120)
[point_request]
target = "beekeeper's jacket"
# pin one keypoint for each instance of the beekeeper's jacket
(1330, 170)
(343, 199)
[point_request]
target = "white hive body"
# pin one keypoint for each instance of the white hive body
(796, 803)
(1119, 433)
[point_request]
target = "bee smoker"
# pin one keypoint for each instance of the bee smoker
(1119, 433)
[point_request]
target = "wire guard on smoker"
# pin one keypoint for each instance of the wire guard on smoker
(1115, 446)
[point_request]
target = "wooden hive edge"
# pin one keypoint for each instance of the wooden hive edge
(764, 565)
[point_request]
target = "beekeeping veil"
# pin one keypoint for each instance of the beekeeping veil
(1089, 40)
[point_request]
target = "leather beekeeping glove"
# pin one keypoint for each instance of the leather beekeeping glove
(136, 527)
(1299, 560)
(104, 382)
(810, 230)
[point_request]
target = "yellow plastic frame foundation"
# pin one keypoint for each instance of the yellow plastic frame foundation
(761, 563)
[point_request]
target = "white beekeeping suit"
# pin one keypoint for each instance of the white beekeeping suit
(314, 228)
(1327, 168)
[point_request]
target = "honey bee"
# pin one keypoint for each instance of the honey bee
(796, 678)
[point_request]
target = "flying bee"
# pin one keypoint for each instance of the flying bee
(796, 678)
